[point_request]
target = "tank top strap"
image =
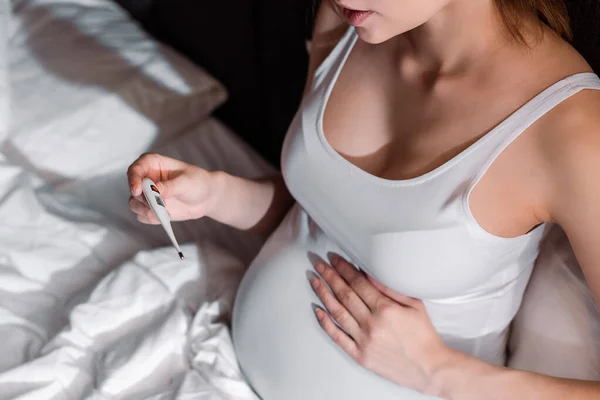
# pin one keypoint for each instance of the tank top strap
(518, 122)
(338, 54)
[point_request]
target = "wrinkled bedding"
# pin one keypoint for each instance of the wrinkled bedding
(95, 305)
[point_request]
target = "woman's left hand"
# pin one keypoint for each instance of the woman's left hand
(386, 332)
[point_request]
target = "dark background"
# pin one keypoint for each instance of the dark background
(257, 49)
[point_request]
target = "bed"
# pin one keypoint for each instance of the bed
(92, 303)
(95, 305)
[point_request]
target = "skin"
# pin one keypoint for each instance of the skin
(447, 72)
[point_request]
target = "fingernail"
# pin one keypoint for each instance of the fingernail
(335, 259)
(320, 268)
(319, 314)
(314, 282)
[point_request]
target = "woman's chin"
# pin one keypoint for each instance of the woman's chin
(372, 36)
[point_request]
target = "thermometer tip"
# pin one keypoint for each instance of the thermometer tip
(181, 255)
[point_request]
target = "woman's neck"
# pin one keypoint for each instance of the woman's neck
(457, 39)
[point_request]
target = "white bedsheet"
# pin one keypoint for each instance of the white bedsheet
(142, 333)
(5, 14)
(89, 308)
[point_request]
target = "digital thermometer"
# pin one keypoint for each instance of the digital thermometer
(156, 203)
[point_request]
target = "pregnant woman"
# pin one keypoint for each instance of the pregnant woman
(435, 141)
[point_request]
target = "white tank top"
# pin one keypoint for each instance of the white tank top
(416, 236)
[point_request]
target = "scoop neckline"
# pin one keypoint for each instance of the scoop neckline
(504, 124)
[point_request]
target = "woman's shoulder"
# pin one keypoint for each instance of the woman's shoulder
(575, 121)
(569, 144)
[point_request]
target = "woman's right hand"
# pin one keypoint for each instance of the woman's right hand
(189, 191)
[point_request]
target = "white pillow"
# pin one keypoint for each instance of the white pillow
(557, 330)
(5, 12)
(91, 90)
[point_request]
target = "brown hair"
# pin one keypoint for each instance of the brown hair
(552, 13)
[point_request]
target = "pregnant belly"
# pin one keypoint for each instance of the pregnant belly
(280, 346)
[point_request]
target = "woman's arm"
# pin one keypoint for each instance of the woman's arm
(256, 206)
(463, 377)
(572, 165)
(192, 192)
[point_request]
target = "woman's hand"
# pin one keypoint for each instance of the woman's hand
(189, 191)
(383, 331)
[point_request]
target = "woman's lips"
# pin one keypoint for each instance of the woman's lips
(356, 17)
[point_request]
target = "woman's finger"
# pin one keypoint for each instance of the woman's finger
(339, 313)
(137, 206)
(336, 334)
(401, 299)
(154, 166)
(344, 293)
(357, 281)
(143, 213)
(139, 169)
(148, 219)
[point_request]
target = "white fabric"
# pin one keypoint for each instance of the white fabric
(5, 14)
(88, 312)
(416, 236)
(91, 90)
(557, 330)
(79, 317)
